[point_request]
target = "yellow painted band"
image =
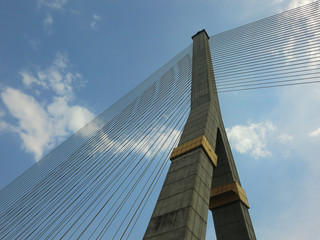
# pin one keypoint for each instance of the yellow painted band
(201, 141)
(226, 194)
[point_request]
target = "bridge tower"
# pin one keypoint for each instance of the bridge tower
(202, 174)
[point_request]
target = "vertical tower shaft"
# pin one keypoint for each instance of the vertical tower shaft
(182, 208)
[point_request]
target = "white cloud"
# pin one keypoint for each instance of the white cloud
(48, 21)
(56, 77)
(53, 4)
(43, 124)
(71, 117)
(251, 139)
(32, 125)
(315, 133)
(42, 127)
(94, 21)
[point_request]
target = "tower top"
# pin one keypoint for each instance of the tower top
(203, 30)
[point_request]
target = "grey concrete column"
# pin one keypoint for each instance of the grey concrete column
(231, 218)
(182, 208)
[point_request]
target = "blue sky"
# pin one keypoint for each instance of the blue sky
(63, 62)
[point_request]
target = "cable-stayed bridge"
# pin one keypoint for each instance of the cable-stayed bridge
(103, 182)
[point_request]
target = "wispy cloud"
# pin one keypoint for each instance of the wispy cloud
(53, 4)
(94, 21)
(28, 79)
(296, 3)
(285, 138)
(48, 21)
(283, 5)
(34, 43)
(42, 124)
(47, 24)
(158, 140)
(57, 77)
(2, 113)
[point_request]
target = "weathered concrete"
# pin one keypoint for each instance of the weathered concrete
(231, 221)
(182, 208)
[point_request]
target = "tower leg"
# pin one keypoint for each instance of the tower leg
(193, 184)
(229, 205)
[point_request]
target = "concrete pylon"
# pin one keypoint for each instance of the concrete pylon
(202, 174)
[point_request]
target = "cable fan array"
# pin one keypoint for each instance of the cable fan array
(281, 50)
(108, 179)
(103, 182)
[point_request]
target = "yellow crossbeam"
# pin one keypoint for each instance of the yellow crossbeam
(226, 194)
(201, 141)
